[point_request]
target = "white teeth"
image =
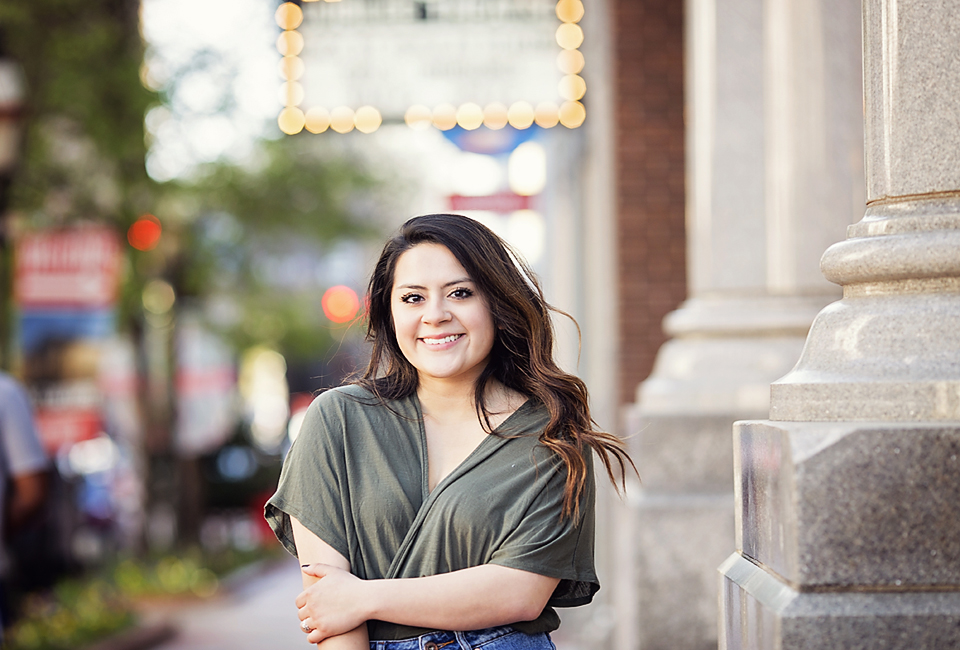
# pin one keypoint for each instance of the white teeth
(446, 339)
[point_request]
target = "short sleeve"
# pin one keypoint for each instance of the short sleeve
(310, 487)
(543, 542)
(22, 449)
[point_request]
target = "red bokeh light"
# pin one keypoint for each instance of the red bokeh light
(340, 303)
(144, 233)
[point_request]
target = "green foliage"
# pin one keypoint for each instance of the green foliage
(297, 187)
(299, 199)
(84, 154)
(75, 613)
(80, 611)
(84, 161)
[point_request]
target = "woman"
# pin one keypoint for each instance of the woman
(447, 496)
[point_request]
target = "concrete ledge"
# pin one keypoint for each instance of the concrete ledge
(760, 612)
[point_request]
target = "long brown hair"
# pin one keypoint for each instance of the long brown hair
(522, 354)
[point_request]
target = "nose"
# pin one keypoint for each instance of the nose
(436, 311)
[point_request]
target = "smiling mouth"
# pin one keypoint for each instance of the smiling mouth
(445, 339)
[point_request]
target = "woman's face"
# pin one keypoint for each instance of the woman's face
(442, 323)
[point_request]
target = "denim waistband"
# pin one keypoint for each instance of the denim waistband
(441, 639)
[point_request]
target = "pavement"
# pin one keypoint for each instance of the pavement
(256, 612)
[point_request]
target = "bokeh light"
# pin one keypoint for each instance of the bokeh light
(470, 116)
(572, 87)
(93, 456)
(263, 386)
(570, 61)
(569, 11)
(547, 115)
(288, 16)
(572, 114)
(144, 233)
(527, 169)
(291, 120)
(317, 120)
(340, 303)
(495, 116)
(290, 68)
(342, 119)
(290, 43)
(367, 119)
(569, 36)
(418, 117)
(520, 115)
(445, 117)
(158, 297)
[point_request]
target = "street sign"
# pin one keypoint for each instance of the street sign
(501, 202)
(65, 288)
(76, 268)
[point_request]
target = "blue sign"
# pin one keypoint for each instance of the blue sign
(488, 141)
(39, 326)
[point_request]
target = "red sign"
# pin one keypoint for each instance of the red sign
(67, 268)
(64, 427)
(502, 202)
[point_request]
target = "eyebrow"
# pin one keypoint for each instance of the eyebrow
(422, 288)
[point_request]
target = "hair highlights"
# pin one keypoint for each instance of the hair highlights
(522, 354)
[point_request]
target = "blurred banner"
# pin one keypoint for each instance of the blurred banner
(206, 387)
(65, 291)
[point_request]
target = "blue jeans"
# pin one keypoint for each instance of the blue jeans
(491, 638)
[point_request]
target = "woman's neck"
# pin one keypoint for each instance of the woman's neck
(448, 400)
(443, 399)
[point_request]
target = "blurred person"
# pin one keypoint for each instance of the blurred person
(448, 494)
(23, 473)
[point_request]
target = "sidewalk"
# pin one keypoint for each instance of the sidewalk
(258, 614)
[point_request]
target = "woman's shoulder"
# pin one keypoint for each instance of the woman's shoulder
(527, 420)
(357, 400)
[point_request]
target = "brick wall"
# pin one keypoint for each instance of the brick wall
(648, 52)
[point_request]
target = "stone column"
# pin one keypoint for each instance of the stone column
(848, 498)
(775, 174)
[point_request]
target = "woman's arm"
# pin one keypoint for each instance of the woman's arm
(468, 599)
(310, 549)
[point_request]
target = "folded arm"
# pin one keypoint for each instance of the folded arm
(468, 599)
(312, 549)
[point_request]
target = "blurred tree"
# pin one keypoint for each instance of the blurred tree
(84, 145)
(84, 161)
(82, 118)
(297, 203)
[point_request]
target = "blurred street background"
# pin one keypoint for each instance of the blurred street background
(749, 206)
(192, 193)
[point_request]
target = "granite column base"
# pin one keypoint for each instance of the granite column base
(758, 611)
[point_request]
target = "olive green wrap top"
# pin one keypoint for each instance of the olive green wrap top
(357, 477)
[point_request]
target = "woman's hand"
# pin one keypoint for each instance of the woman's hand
(332, 605)
(314, 551)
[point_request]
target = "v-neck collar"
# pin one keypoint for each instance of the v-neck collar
(468, 462)
(482, 451)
